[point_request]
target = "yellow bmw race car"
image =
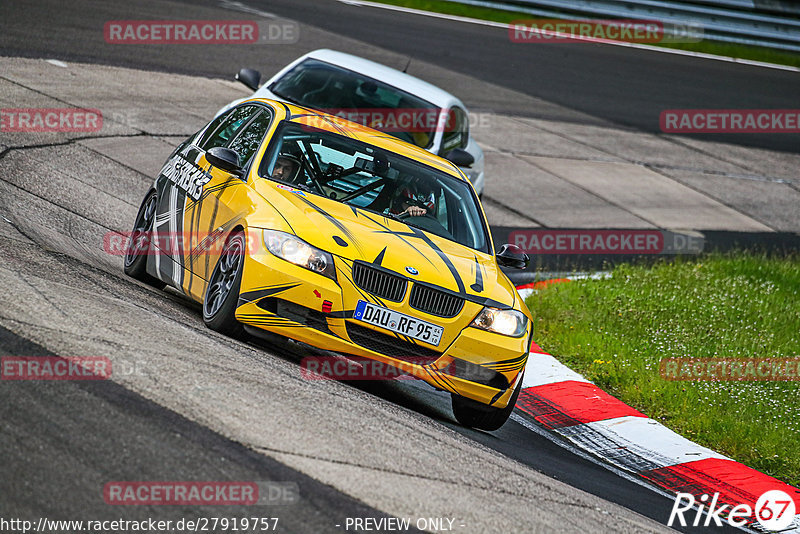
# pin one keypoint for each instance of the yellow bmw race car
(276, 217)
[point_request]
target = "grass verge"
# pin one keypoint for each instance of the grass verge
(616, 331)
(753, 53)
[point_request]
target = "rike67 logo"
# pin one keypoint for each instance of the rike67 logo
(774, 510)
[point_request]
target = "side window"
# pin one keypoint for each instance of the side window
(227, 127)
(206, 132)
(456, 133)
(249, 138)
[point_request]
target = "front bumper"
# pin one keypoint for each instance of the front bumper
(286, 299)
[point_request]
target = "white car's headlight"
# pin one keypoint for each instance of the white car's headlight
(295, 250)
(507, 322)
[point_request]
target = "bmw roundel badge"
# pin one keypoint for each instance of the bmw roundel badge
(412, 271)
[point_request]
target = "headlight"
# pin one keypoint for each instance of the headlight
(507, 322)
(295, 250)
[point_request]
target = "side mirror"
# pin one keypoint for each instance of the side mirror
(251, 78)
(225, 159)
(512, 256)
(460, 157)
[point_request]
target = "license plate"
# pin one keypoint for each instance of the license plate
(398, 322)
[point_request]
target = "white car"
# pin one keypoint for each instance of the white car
(378, 96)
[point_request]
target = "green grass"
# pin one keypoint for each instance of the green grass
(755, 53)
(616, 331)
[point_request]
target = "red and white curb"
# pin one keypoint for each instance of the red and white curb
(565, 403)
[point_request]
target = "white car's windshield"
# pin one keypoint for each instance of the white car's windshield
(359, 98)
(368, 177)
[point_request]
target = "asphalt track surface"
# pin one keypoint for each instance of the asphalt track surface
(62, 440)
(590, 82)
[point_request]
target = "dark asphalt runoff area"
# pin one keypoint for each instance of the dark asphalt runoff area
(63, 441)
(620, 85)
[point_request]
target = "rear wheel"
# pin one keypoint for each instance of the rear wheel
(222, 292)
(139, 244)
(477, 415)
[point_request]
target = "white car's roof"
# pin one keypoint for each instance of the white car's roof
(401, 80)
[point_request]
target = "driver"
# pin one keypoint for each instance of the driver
(286, 168)
(413, 199)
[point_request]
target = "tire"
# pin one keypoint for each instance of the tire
(474, 414)
(222, 292)
(135, 261)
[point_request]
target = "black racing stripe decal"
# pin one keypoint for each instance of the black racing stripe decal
(367, 296)
(421, 235)
(379, 259)
(478, 285)
(218, 188)
(211, 224)
(194, 221)
(204, 245)
(342, 228)
(197, 207)
(496, 397)
(276, 321)
(253, 322)
(399, 235)
(268, 291)
(507, 365)
(444, 378)
(279, 212)
(439, 379)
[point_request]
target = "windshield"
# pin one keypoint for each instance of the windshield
(361, 99)
(367, 177)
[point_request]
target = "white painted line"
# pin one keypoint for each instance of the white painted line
(793, 528)
(639, 436)
(525, 293)
(638, 46)
(528, 291)
(57, 63)
(614, 469)
(578, 452)
(543, 369)
(238, 6)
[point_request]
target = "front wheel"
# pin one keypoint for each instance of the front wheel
(139, 243)
(476, 415)
(222, 292)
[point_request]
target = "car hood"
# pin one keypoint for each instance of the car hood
(355, 234)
